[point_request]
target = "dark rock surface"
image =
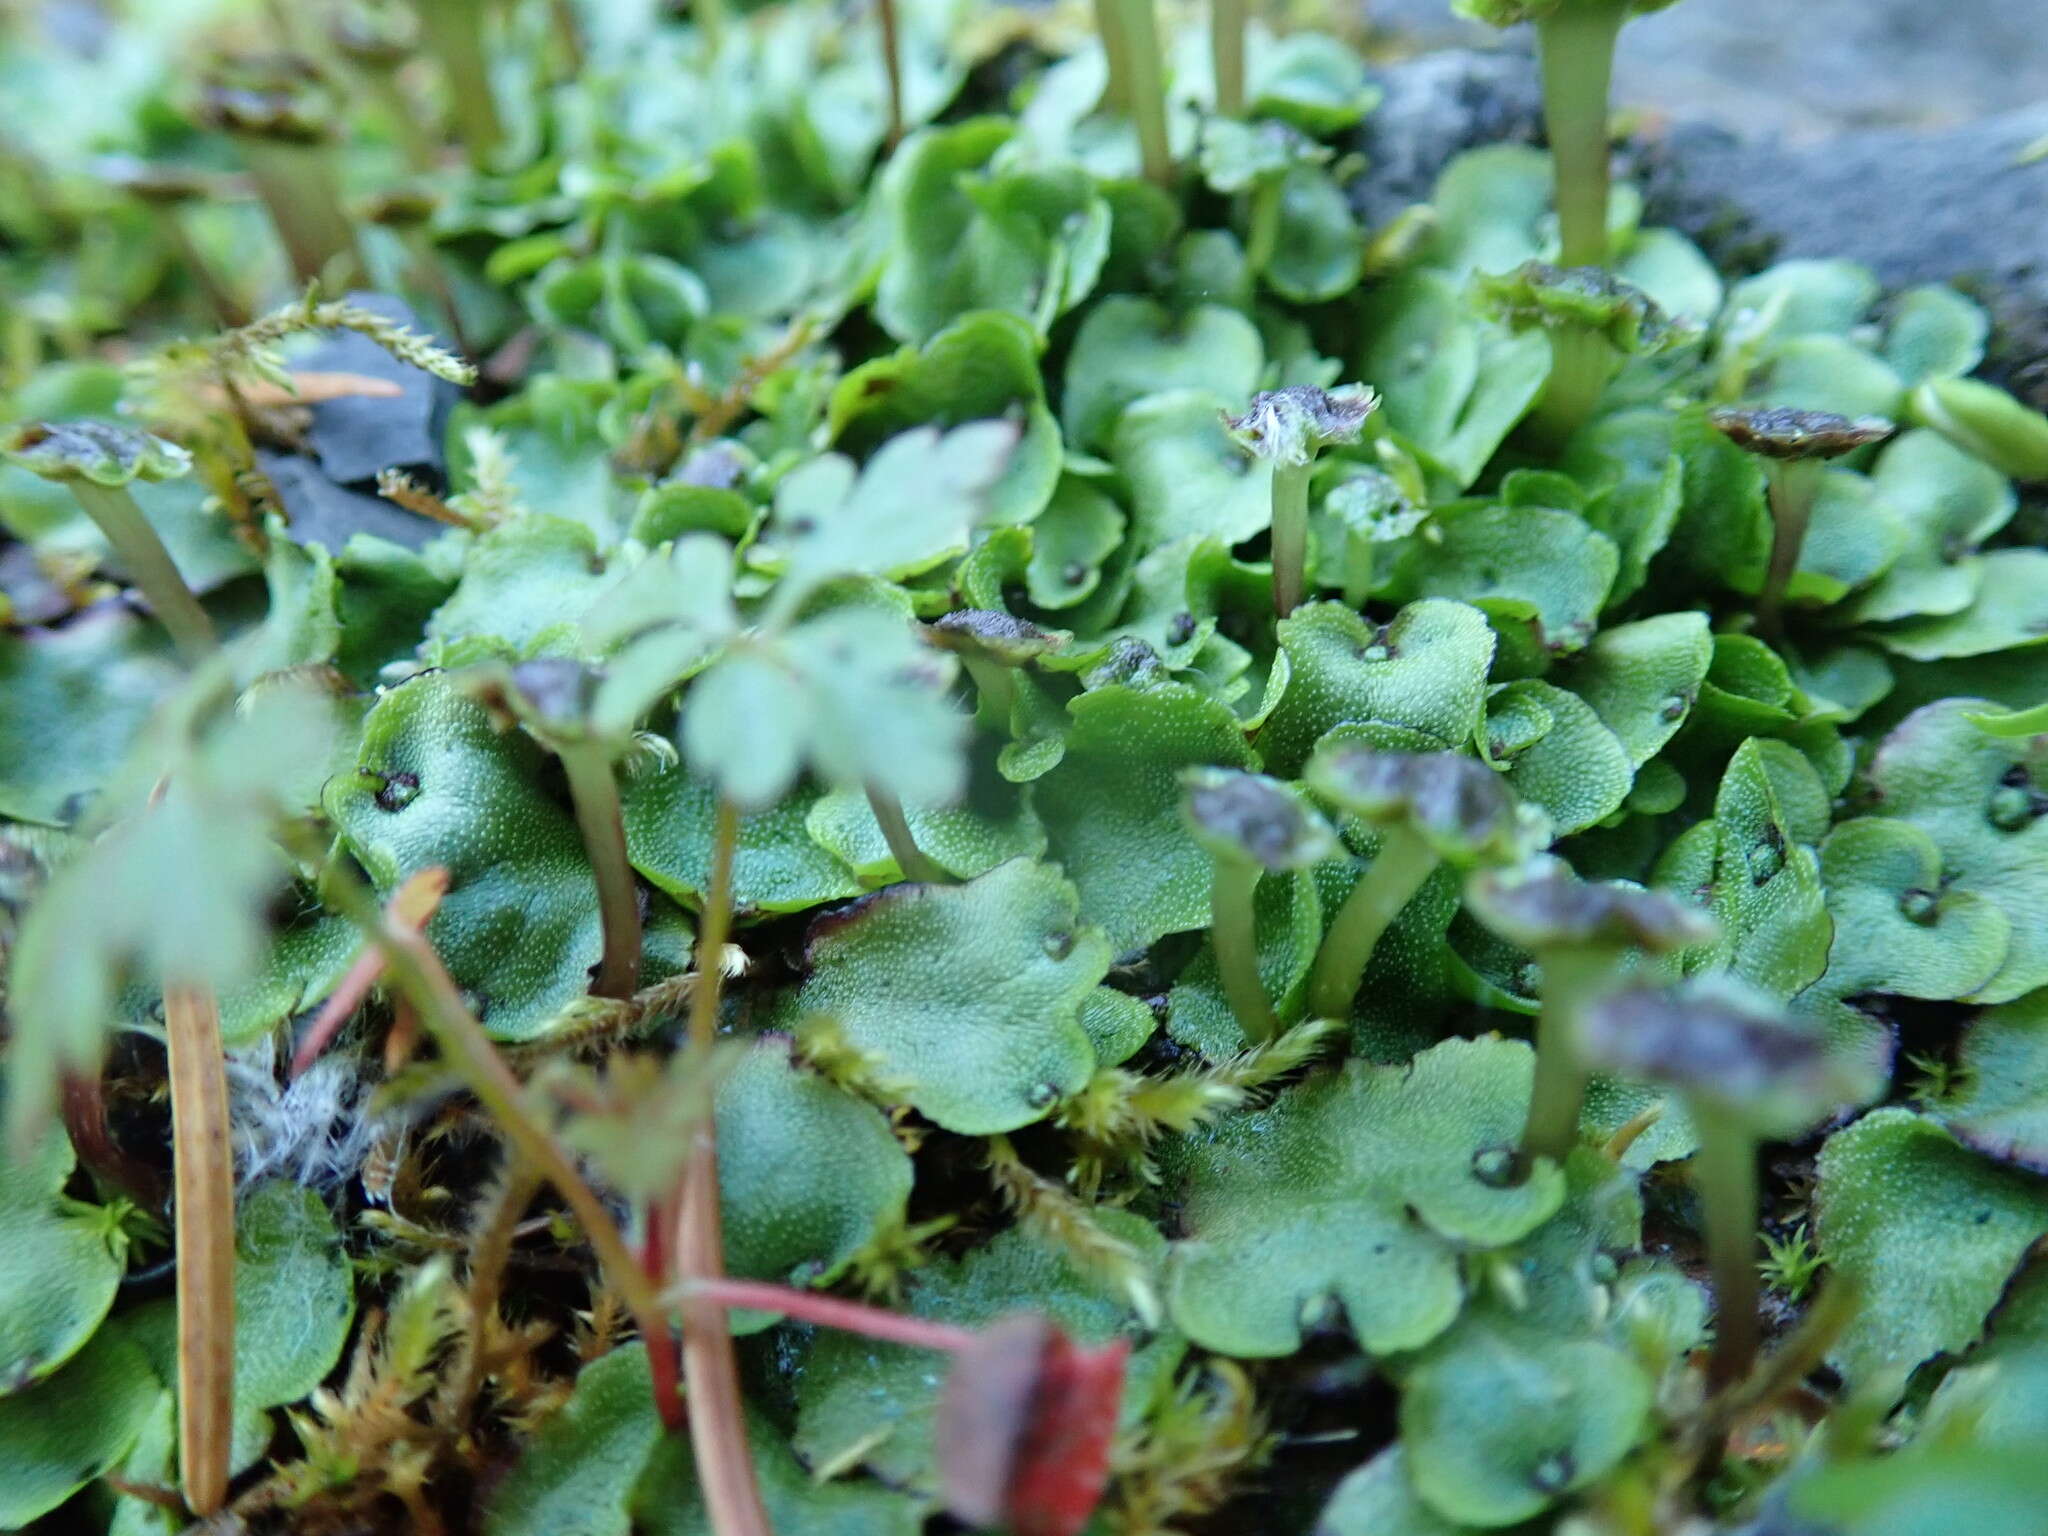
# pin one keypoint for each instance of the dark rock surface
(1964, 204)
(321, 512)
(358, 436)
(1959, 205)
(1802, 69)
(1436, 106)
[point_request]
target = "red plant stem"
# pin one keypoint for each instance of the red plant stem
(830, 1312)
(664, 1365)
(718, 1427)
(413, 903)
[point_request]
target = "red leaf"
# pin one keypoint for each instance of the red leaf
(1025, 1427)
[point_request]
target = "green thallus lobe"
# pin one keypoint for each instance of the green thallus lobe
(1287, 428)
(1580, 934)
(1794, 445)
(1251, 825)
(1428, 808)
(1747, 1072)
(1371, 509)
(98, 461)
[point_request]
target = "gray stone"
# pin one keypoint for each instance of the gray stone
(358, 436)
(1962, 205)
(1957, 205)
(1436, 106)
(321, 512)
(1800, 69)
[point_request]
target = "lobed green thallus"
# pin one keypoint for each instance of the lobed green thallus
(909, 740)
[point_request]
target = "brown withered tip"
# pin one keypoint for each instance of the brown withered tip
(1779, 432)
(1025, 1425)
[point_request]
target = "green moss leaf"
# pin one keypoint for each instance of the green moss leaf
(1425, 672)
(980, 367)
(777, 865)
(1112, 808)
(1129, 347)
(61, 1261)
(1355, 1188)
(89, 685)
(1641, 678)
(63, 1432)
(436, 783)
(1984, 801)
(1188, 479)
(1927, 1230)
(808, 1174)
(967, 996)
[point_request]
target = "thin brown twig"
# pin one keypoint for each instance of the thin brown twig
(203, 1167)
